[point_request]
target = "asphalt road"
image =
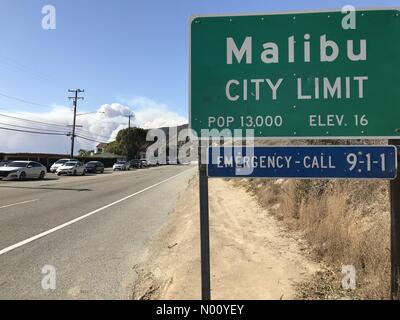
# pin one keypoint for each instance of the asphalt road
(90, 230)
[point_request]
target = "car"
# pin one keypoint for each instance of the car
(135, 164)
(94, 167)
(72, 168)
(4, 163)
(151, 163)
(121, 165)
(22, 170)
(144, 163)
(59, 163)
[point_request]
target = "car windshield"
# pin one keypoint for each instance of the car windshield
(70, 163)
(17, 164)
(61, 161)
(91, 164)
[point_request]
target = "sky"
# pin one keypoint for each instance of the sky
(130, 56)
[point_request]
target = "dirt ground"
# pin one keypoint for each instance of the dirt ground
(252, 255)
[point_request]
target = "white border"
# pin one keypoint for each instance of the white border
(310, 146)
(193, 17)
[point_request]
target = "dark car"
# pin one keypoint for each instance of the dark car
(136, 164)
(94, 167)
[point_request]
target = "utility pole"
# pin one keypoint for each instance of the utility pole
(129, 117)
(395, 227)
(129, 156)
(75, 99)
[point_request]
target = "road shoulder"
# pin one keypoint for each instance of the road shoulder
(253, 256)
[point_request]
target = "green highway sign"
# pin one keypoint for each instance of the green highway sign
(298, 75)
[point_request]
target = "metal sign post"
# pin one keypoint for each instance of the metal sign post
(204, 230)
(395, 232)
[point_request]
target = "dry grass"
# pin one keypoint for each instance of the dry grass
(346, 222)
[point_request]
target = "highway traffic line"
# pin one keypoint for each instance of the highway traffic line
(64, 225)
(15, 204)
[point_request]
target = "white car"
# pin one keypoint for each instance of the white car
(72, 168)
(58, 164)
(22, 170)
(121, 165)
(145, 163)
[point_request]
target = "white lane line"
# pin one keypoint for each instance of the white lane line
(15, 204)
(43, 234)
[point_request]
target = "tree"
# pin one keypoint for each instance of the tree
(129, 142)
(113, 147)
(85, 153)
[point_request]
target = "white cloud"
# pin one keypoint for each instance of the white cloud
(150, 114)
(103, 126)
(115, 110)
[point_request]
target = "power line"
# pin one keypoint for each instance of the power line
(44, 123)
(6, 66)
(24, 127)
(48, 133)
(32, 121)
(30, 114)
(36, 132)
(93, 118)
(25, 101)
(90, 132)
(89, 139)
(104, 121)
(82, 131)
(45, 131)
(24, 68)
